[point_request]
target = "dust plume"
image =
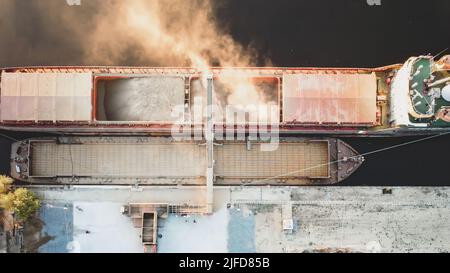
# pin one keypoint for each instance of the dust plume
(113, 32)
(168, 32)
(126, 32)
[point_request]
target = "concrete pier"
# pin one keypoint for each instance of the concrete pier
(325, 219)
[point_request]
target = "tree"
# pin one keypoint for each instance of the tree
(3, 201)
(5, 184)
(22, 202)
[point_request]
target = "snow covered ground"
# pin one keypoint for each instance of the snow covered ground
(100, 227)
(88, 227)
(194, 234)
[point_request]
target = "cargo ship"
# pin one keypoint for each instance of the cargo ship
(403, 99)
(162, 161)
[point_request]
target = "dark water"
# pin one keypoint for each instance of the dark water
(343, 33)
(338, 34)
(5, 150)
(6, 139)
(422, 163)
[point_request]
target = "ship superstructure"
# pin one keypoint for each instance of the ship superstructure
(420, 94)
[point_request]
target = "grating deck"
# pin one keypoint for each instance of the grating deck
(233, 160)
(119, 160)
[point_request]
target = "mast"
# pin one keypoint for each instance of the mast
(209, 134)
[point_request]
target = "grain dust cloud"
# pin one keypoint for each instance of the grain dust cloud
(113, 32)
(167, 33)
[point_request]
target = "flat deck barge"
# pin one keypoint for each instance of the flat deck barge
(164, 161)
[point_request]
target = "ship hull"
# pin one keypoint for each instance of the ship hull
(167, 130)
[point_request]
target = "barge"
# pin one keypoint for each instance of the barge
(163, 161)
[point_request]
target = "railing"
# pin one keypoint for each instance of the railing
(187, 209)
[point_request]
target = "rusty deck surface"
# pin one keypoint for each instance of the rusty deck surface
(37, 97)
(112, 99)
(347, 98)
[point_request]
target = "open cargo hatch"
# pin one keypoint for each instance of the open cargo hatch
(138, 99)
(170, 99)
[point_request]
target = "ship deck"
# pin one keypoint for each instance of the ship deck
(427, 106)
(106, 99)
(160, 161)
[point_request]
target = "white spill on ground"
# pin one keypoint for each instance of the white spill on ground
(100, 227)
(194, 234)
(325, 219)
